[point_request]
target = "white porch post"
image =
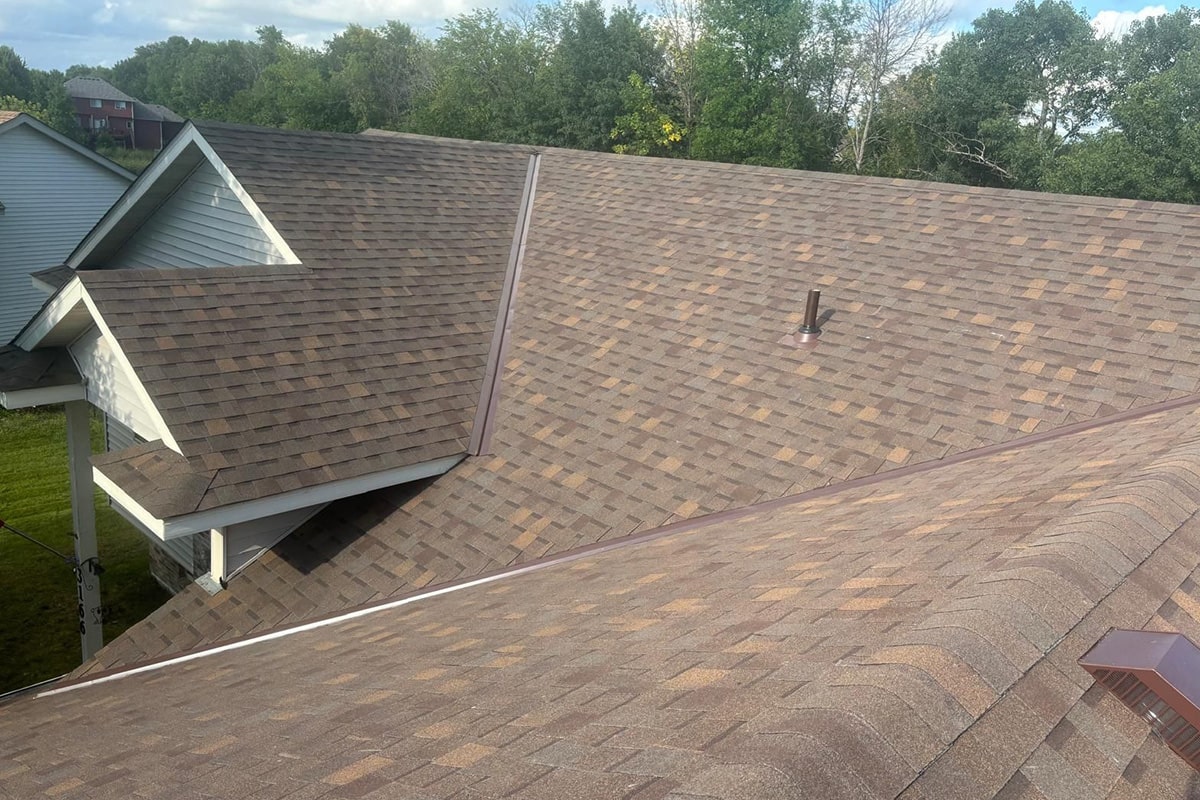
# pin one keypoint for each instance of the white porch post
(83, 514)
(217, 558)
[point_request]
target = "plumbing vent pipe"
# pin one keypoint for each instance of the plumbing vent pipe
(1156, 676)
(809, 331)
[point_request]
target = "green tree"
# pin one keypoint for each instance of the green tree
(1107, 164)
(1154, 45)
(380, 71)
(589, 65)
(755, 83)
(296, 91)
(15, 80)
(1013, 91)
(484, 81)
(644, 130)
(892, 35)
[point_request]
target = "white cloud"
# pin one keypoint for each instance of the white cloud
(1116, 23)
(211, 17)
(105, 14)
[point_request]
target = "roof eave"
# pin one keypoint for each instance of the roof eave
(234, 513)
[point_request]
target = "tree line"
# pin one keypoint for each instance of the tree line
(1027, 98)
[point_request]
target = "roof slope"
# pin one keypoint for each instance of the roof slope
(42, 369)
(95, 89)
(915, 638)
(156, 113)
(368, 358)
(646, 381)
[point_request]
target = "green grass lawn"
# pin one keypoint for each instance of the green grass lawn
(39, 636)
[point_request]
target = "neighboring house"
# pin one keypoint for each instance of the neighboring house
(579, 515)
(156, 126)
(100, 107)
(52, 192)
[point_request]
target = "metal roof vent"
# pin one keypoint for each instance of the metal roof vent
(809, 331)
(1157, 675)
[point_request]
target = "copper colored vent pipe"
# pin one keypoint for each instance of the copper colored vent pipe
(809, 330)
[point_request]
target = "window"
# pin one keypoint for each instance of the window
(99, 122)
(118, 103)
(96, 103)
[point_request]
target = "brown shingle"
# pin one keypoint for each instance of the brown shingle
(354, 363)
(580, 674)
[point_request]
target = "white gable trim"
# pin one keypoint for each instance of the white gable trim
(46, 130)
(41, 285)
(252, 208)
(69, 299)
(294, 500)
(189, 137)
(132, 195)
(143, 396)
(53, 313)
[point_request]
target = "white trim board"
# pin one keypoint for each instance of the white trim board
(45, 396)
(55, 311)
(69, 299)
(234, 513)
(143, 396)
(511, 572)
(132, 195)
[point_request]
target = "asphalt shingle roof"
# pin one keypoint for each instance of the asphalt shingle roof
(900, 539)
(41, 369)
(915, 638)
(367, 358)
(95, 89)
(156, 113)
(646, 381)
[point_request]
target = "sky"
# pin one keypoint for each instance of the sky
(54, 34)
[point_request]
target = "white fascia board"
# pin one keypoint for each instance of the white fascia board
(46, 396)
(187, 137)
(46, 130)
(67, 299)
(143, 396)
(252, 208)
(128, 505)
(223, 516)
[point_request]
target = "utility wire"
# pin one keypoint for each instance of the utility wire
(68, 559)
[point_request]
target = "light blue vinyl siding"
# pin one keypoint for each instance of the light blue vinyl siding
(52, 197)
(203, 224)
